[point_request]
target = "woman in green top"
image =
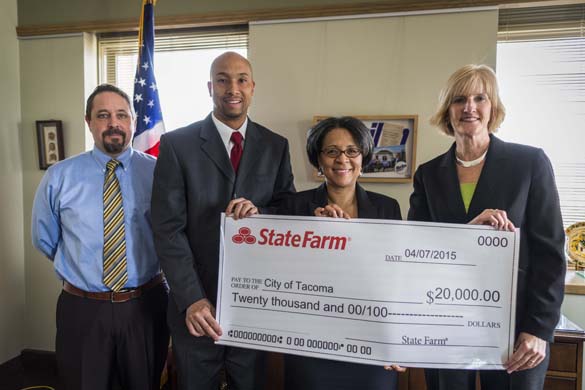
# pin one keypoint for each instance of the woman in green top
(483, 180)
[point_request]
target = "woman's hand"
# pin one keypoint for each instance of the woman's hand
(529, 352)
(331, 210)
(494, 217)
(394, 367)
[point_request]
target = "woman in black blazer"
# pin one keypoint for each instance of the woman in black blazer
(338, 148)
(483, 180)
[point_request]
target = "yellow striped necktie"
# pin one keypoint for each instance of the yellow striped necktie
(115, 270)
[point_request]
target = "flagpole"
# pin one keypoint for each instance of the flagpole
(149, 121)
(141, 23)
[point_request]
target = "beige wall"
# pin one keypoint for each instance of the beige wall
(56, 75)
(11, 220)
(383, 66)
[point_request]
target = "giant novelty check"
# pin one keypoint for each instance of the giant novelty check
(369, 291)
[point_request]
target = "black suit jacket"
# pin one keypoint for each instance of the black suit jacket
(193, 183)
(370, 204)
(518, 179)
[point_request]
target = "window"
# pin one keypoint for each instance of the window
(182, 60)
(542, 81)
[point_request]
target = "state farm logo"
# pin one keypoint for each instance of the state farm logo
(308, 239)
(244, 235)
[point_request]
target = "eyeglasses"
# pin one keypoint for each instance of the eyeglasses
(351, 152)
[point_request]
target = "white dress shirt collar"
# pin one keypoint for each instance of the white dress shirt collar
(225, 132)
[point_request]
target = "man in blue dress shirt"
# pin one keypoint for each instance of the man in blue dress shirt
(108, 333)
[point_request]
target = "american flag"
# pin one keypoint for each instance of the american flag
(150, 125)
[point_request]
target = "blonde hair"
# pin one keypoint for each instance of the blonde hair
(466, 81)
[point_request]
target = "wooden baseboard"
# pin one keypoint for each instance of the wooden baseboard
(33, 359)
(31, 369)
(10, 365)
(29, 360)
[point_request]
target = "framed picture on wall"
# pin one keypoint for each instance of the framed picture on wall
(50, 142)
(394, 155)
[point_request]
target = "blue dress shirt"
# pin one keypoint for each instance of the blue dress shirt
(67, 218)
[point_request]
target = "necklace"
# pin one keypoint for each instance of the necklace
(472, 163)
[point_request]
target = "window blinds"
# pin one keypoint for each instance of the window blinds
(118, 52)
(543, 87)
(560, 21)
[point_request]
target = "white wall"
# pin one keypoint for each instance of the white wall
(11, 192)
(56, 76)
(382, 66)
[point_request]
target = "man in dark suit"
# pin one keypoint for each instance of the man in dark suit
(227, 163)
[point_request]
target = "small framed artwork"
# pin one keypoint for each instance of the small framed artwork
(50, 142)
(394, 155)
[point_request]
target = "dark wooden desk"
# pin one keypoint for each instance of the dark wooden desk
(565, 371)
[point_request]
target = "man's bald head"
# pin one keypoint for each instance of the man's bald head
(227, 58)
(231, 87)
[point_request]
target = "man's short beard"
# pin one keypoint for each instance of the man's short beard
(114, 148)
(234, 114)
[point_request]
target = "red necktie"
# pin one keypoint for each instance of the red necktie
(236, 153)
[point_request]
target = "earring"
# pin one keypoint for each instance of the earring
(320, 171)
